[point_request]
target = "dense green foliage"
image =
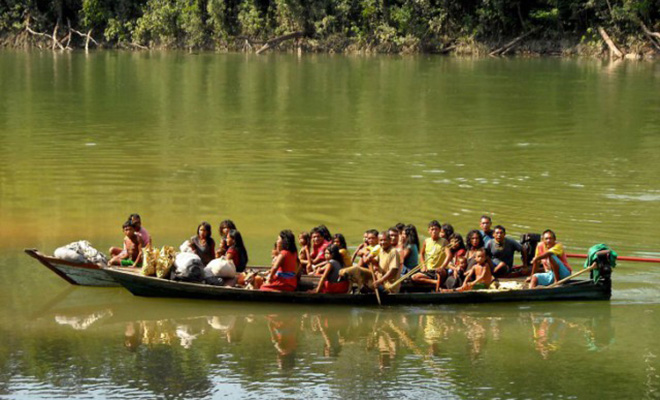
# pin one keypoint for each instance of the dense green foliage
(377, 25)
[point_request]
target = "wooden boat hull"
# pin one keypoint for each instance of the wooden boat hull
(74, 273)
(155, 287)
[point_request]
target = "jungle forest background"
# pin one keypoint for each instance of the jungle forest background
(558, 27)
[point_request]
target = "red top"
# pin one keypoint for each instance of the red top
(319, 250)
(289, 263)
(232, 254)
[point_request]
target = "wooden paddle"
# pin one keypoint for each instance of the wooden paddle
(572, 276)
(373, 276)
(621, 258)
(403, 278)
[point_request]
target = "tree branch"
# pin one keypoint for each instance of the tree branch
(275, 41)
(613, 48)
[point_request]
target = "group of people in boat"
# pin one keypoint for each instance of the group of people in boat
(384, 259)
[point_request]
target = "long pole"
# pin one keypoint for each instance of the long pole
(620, 258)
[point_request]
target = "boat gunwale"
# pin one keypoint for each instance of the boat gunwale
(156, 287)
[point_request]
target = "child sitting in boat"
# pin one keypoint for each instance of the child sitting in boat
(331, 281)
(283, 275)
(481, 271)
(131, 254)
(304, 240)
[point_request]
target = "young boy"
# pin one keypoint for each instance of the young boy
(481, 270)
(131, 254)
(431, 256)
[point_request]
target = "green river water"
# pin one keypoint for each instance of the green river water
(280, 141)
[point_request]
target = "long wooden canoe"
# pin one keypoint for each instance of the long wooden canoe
(155, 287)
(85, 274)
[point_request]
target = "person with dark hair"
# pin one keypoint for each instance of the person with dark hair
(388, 267)
(486, 232)
(136, 221)
(340, 241)
(325, 232)
(502, 250)
(304, 254)
(446, 230)
(433, 253)
(223, 229)
(358, 251)
(319, 244)
(474, 243)
(202, 244)
(236, 250)
(549, 253)
(131, 254)
(283, 275)
(400, 226)
(369, 253)
(331, 281)
(410, 248)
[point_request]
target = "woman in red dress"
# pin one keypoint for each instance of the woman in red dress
(283, 276)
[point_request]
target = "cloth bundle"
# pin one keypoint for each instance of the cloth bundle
(81, 252)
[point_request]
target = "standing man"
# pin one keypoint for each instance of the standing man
(486, 232)
(502, 249)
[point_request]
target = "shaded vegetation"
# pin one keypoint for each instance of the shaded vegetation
(561, 26)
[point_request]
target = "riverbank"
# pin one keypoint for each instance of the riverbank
(570, 47)
(623, 29)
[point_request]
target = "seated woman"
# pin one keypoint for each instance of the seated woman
(340, 241)
(551, 254)
(475, 242)
(202, 244)
(283, 276)
(409, 248)
(236, 250)
(331, 281)
(224, 228)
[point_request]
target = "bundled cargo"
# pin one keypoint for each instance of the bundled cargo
(81, 252)
(158, 262)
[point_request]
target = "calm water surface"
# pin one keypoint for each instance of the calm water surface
(281, 141)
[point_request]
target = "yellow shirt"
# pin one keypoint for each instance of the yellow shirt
(388, 260)
(434, 252)
(347, 257)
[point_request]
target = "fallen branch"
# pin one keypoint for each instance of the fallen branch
(507, 47)
(139, 46)
(654, 36)
(275, 41)
(613, 49)
(55, 42)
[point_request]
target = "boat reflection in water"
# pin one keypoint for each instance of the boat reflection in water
(187, 348)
